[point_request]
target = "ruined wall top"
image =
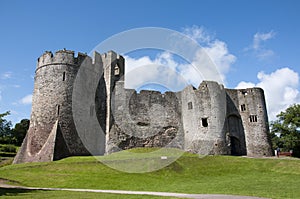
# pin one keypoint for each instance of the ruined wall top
(67, 57)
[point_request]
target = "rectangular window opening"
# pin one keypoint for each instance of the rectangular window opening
(190, 105)
(243, 107)
(204, 122)
(58, 109)
(64, 76)
(92, 110)
(253, 118)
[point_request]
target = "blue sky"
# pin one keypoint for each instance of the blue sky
(254, 43)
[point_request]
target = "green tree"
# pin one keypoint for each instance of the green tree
(5, 129)
(285, 131)
(19, 131)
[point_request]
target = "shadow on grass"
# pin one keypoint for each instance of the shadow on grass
(14, 191)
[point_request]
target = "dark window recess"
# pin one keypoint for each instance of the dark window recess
(92, 110)
(64, 76)
(253, 118)
(58, 109)
(244, 92)
(243, 107)
(204, 122)
(117, 70)
(190, 105)
(143, 124)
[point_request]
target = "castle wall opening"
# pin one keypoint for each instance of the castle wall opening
(253, 118)
(190, 105)
(64, 76)
(204, 122)
(236, 133)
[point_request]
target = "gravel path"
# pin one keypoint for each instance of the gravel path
(179, 195)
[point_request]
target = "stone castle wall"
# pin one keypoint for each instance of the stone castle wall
(204, 112)
(145, 119)
(248, 106)
(206, 120)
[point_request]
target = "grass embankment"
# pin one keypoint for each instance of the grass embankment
(273, 178)
(7, 152)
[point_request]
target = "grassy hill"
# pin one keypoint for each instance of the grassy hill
(273, 178)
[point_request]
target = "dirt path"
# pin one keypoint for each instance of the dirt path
(3, 184)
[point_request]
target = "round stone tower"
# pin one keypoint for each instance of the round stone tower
(255, 121)
(52, 133)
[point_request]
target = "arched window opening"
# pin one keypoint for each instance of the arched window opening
(117, 70)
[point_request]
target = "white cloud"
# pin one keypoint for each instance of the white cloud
(281, 89)
(260, 37)
(243, 84)
(6, 75)
(197, 33)
(218, 52)
(165, 68)
(160, 71)
(257, 46)
(26, 100)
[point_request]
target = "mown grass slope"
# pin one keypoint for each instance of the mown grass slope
(273, 178)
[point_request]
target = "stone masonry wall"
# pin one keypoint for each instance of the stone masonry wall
(52, 109)
(145, 119)
(235, 128)
(255, 121)
(204, 118)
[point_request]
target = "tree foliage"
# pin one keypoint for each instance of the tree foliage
(19, 131)
(285, 131)
(5, 128)
(9, 135)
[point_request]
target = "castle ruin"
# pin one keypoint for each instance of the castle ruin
(209, 119)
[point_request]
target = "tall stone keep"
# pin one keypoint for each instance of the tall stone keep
(52, 133)
(209, 119)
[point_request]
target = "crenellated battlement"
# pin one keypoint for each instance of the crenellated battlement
(67, 57)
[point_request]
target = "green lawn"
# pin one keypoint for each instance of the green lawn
(273, 178)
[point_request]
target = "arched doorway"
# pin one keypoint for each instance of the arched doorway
(237, 135)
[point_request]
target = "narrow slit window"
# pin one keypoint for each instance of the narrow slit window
(58, 110)
(92, 110)
(64, 76)
(204, 122)
(190, 105)
(243, 107)
(253, 118)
